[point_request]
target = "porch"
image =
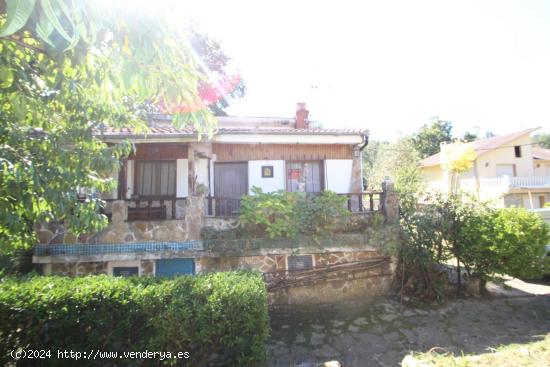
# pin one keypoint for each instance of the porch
(161, 208)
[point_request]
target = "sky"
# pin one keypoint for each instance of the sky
(388, 66)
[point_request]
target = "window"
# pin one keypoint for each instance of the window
(299, 262)
(542, 201)
(125, 271)
(267, 171)
(506, 170)
(304, 176)
(155, 178)
(517, 151)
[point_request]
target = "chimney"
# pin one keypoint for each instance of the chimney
(301, 116)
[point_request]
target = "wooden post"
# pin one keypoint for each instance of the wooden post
(122, 188)
(191, 169)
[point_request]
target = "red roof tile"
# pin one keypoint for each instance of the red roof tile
(175, 132)
(541, 153)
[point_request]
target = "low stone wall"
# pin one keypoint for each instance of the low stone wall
(121, 231)
(335, 286)
(343, 267)
(220, 223)
(368, 284)
(93, 268)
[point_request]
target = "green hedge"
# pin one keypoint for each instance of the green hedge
(219, 318)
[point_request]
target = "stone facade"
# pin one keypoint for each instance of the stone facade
(335, 286)
(345, 267)
(121, 231)
(220, 223)
(93, 268)
(79, 268)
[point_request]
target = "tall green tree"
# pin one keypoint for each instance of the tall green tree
(468, 137)
(222, 86)
(398, 162)
(67, 68)
(428, 139)
(542, 140)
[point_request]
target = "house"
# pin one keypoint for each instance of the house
(509, 170)
(270, 153)
(175, 185)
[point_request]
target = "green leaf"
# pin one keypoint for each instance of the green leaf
(44, 29)
(55, 21)
(6, 77)
(18, 13)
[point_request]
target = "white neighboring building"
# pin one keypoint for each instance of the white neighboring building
(508, 170)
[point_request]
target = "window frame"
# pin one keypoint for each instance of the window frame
(287, 258)
(111, 265)
(270, 171)
(517, 151)
(137, 181)
(321, 163)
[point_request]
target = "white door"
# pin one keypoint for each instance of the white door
(505, 170)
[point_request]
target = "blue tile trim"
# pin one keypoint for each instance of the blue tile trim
(115, 248)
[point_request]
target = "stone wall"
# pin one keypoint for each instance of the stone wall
(344, 259)
(340, 287)
(336, 286)
(93, 268)
(121, 231)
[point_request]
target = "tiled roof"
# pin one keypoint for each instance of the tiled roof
(154, 131)
(275, 130)
(175, 132)
(481, 146)
(541, 153)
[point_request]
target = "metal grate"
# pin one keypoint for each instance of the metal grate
(300, 262)
(115, 248)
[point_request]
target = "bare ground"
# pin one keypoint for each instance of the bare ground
(381, 333)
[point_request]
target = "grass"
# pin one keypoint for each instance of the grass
(512, 355)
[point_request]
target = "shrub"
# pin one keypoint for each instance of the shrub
(323, 214)
(218, 318)
(287, 214)
(483, 240)
(509, 241)
(271, 213)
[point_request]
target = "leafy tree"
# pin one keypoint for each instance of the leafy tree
(221, 86)
(468, 137)
(430, 136)
(457, 158)
(542, 140)
(398, 162)
(66, 69)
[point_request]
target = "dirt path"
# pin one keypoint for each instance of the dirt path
(382, 333)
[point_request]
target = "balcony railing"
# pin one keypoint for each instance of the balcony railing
(162, 208)
(154, 208)
(506, 182)
(356, 203)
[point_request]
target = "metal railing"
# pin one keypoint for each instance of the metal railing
(369, 201)
(222, 206)
(356, 203)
